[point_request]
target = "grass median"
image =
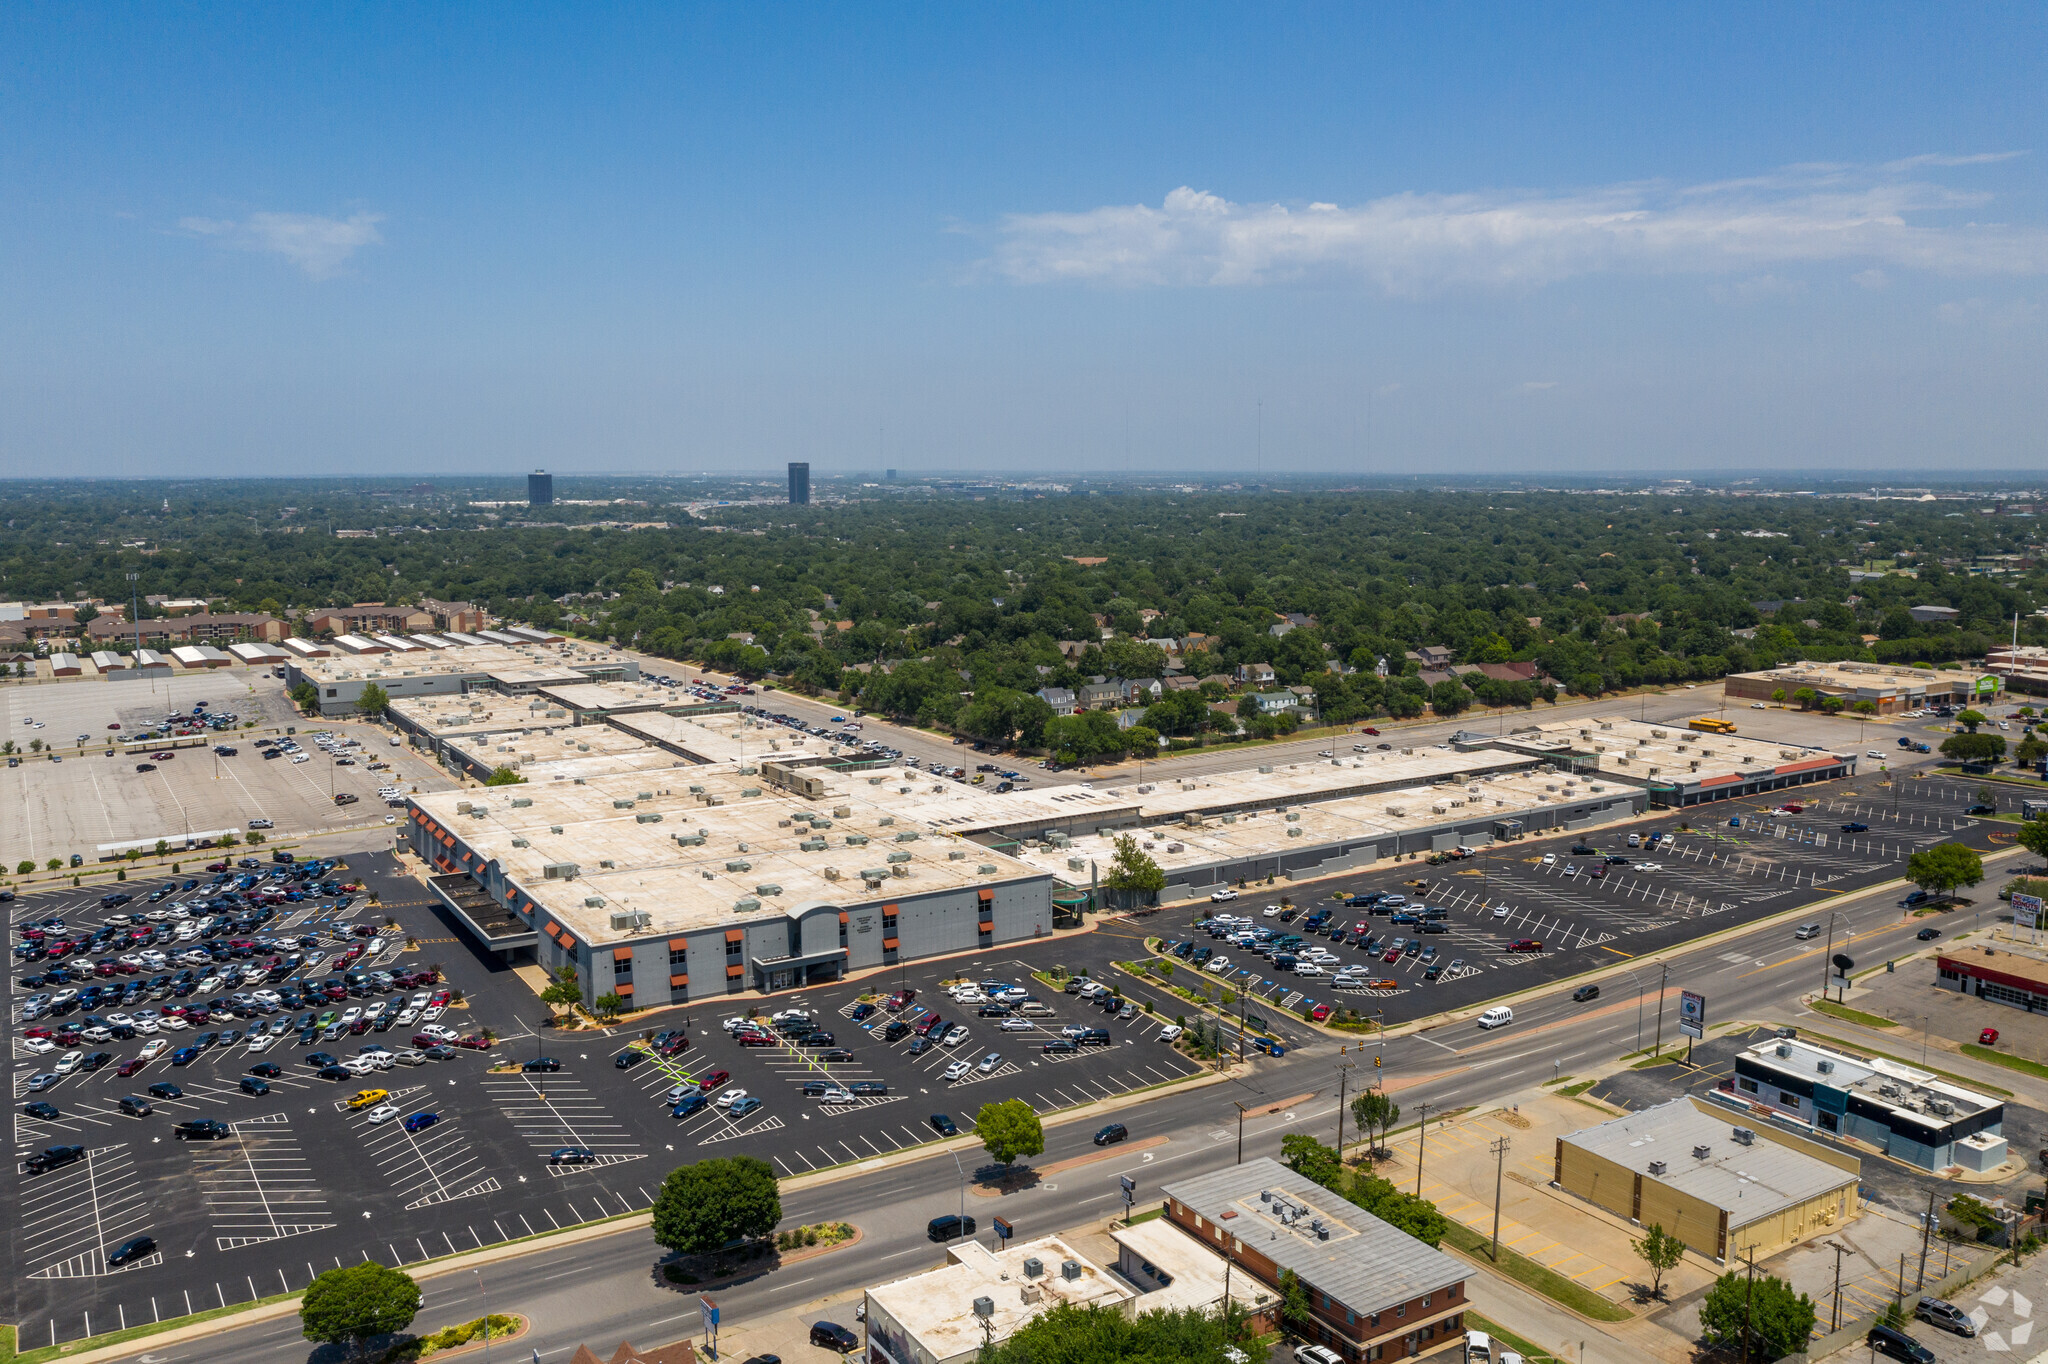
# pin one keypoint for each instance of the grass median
(1849, 1015)
(2010, 1062)
(1525, 1271)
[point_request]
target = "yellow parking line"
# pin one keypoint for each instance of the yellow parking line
(1616, 951)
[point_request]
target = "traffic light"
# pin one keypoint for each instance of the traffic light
(1375, 1063)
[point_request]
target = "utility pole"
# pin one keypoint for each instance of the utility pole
(1827, 957)
(1500, 1153)
(1240, 1132)
(1343, 1074)
(1661, 981)
(1421, 1131)
(1926, 1235)
(1835, 1322)
(1749, 1297)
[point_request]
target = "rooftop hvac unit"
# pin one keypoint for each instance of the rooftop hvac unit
(1070, 1269)
(1743, 1136)
(768, 888)
(832, 873)
(1702, 1152)
(985, 869)
(984, 1307)
(520, 843)
(856, 840)
(521, 802)
(647, 817)
(900, 869)
(899, 857)
(1941, 1106)
(1657, 1167)
(1033, 1266)
(1826, 1067)
(746, 904)
(621, 919)
(739, 866)
(1888, 1090)
(559, 871)
(1265, 1195)
(1784, 1049)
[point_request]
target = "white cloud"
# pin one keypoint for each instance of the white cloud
(1872, 278)
(319, 246)
(1990, 314)
(1418, 242)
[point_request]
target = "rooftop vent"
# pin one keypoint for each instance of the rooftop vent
(559, 871)
(1070, 1269)
(1657, 1167)
(1702, 1152)
(1743, 1136)
(1826, 1067)
(1784, 1049)
(984, 1307)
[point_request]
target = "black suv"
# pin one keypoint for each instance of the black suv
(947, 1227)
(1584, 993)
(833, 1336)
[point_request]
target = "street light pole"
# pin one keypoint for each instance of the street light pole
(1421, 1131)
(1663, 981)
(487, 1313)
(1240, 1132)
(1500, 1153)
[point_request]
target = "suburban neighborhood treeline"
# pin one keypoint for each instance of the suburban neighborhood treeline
(904, 603)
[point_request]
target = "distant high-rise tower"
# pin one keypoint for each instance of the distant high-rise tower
(540, 489)
(889, 476)
(799, 485)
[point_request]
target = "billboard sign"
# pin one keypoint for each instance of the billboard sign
(1987, 685)
(1692, 1013)
(2026, 911)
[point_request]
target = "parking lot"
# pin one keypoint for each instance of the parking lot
(78, 797)
(301, 1181)
(1731, 862)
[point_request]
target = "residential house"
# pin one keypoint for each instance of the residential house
(1130, 717)
(1273, 702)
(1099, 694)
(1257, 674)
(1433, 656)
(1061, 699)
(1431, 676)
(1223, 680)
(1143, 691)
(1195, 642)
(1180, 682)
(1509, 672)
(1304, 697)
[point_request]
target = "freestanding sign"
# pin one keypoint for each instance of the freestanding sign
(1692, 1013)
(2026, 911)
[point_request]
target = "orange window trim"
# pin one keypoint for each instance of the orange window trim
(678, 944)
(986, 895)
(888, 944)
(842, 916)
(553, 928)
(986, 926)
(888, 909)
(732, 971)
(622, 989)
(735, 935)
(622, 954)
(678, 982)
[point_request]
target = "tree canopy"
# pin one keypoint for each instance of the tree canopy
(1133, 870)
(1780, 1321)
(713, 1203)
(1082, 1335)
(1945, 868)
(355, 1304)
(1009, 1129)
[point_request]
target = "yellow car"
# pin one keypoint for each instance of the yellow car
(363, 1098)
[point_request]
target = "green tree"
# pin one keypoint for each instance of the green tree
(355, 1304)
(713, 1203)
(1009, 1129)
(2031, 750)
(610, 1004)
(25, 866)
(1778, 695)
(1296, 1318)
(1974, 748)
(1133, 871)
(1865, 707)
(1779, 1321)
(1450, 697)
(503, 776)
(563, 991)
(1971, 719)
(1805, 697)
(1416, 1216)
(1311, 1159)
(306, 697)
(2033, 836)
(1085, 1335)
(1945, 868)
(1143, 739)
(53, 864)
(374, 701)
(1375, 1112)
(1661, 1251)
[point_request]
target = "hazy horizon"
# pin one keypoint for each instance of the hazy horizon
(1193, 241)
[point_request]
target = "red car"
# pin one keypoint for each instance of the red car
(130, 1066)
(679, 1045)
(1320, 1012)
(1793, 807)
(900, 1000)
(1393, 954)
(1987, 1037)
(216, 866)
(755, 1039)
(39, 1030)
(1370, 730)
(476, 1041)
(713, 1080)
(162, 757)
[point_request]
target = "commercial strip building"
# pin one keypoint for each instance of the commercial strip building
(1374, 1292)
(945, 1315)
(2003, 975)
(1911, 1115)
(1726, 1190)
(1675, 765)
(1890, 687)
(449, 666)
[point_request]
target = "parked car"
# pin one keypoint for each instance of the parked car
(832, 1336)
(1987, 1037)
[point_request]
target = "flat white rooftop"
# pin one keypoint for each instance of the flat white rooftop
(936, 1308)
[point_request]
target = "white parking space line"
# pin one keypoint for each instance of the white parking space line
(70, 1220)
(258, 1186)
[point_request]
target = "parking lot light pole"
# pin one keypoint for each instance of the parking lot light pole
(487, 1313)
(1421, 1131)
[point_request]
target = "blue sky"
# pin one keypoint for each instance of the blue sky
(1026, 239)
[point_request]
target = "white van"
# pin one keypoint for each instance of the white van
(1500, 1015)
(1806, 931)
(1309, 968)
(1635, 840)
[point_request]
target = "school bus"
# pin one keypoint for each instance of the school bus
(1712, 725)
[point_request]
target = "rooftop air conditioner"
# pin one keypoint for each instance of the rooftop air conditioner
(1743, 1136)
(1826, 1067)
(984, 1307)
(1070, 1269)
(1784, 1049)
(1702, 1152)
(1657, 1167)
